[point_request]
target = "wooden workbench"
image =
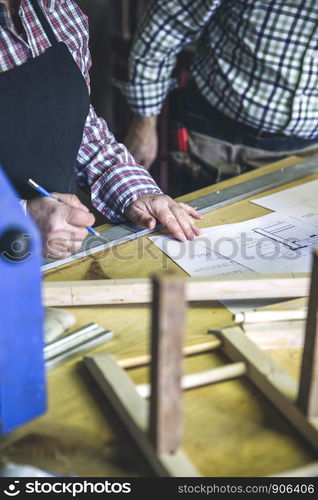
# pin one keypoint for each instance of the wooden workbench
(230, 430)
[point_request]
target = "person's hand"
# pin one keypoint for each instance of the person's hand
(63, 225)
(142, 141)
(177, 217)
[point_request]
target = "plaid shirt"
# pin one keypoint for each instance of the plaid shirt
(255, 60)
(102, 163)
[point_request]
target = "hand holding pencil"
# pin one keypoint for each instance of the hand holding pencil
(63, 225)
(44, 192)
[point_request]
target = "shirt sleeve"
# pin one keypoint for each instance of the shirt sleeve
(166, 28)
(109, 171)
(104, 166)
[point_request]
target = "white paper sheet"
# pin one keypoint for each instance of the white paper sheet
(304, 194)
(274, 243)
(195, 258)
(279, 242)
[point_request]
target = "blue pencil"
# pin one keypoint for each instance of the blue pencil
(44, 192)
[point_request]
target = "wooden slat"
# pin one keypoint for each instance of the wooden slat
(308, 387)
(137, 291)
(132, 411)
(270, 379)
(276, 335)
(167, 337)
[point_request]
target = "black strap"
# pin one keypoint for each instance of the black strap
(45, 24)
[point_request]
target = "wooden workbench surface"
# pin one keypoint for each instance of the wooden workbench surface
(230, 430)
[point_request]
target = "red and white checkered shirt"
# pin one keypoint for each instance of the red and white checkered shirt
(103, 164)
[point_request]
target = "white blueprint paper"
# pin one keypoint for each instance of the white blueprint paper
(304, 194)
(280, 242)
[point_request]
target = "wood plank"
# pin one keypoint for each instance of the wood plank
(167, 338)
(138, 291)
(270, 379)
(133, 412)
(308, 387)
(276, 335)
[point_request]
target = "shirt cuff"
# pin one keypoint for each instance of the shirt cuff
(118, 187)
(146, 99)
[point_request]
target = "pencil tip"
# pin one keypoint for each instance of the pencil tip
(32, 183)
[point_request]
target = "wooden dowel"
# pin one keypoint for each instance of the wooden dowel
(308, 386)
(200, 379)
(138, 361)
(268, 316)
(138, 291)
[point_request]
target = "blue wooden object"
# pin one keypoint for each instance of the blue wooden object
(22, 369)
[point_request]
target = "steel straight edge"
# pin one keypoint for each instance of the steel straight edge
(255, 186)
(110, 238)
(129, 231)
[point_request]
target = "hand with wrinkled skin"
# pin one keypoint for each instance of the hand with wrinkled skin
(177, 217)
(62, 225)
(142, 140)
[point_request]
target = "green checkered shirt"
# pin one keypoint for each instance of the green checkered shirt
(255, 60)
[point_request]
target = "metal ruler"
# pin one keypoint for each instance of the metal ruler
(129, 231)
(74, 344)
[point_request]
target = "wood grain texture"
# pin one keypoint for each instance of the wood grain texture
(167, 338)
(138, 291)
(273, 382)
(308, 387)
(276, 335)
(133, 411)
